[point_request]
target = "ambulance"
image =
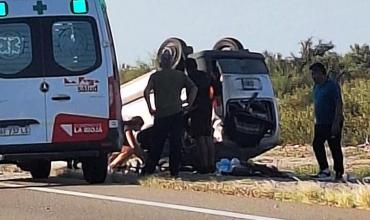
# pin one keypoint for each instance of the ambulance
(59, 86)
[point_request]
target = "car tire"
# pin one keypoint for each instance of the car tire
(228, 43)
(178, 50)
(39, 169)
(95, 169)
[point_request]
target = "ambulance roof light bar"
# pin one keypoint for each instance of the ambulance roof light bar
(79, 7)
(3, 9)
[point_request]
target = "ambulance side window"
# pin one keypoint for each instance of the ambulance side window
(74, 45)
(15, 48)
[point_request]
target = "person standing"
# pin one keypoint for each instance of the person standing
(328, 122)
(167, 85)
(201, 117)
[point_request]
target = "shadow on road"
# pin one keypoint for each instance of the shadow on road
(65, 178)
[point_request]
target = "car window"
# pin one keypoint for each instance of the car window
(242, 66)
(74, 46)
(15, 48)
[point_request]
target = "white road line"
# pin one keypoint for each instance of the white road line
(143, 202)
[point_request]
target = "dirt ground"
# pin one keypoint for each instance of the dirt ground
(300, 159)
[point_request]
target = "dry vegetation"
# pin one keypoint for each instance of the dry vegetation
(299, 160)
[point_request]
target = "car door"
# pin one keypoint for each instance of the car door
(78, 100)
(22, 87)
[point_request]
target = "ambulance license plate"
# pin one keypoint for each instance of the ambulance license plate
(14, 131)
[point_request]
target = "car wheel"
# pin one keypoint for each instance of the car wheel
(228, 43)
(178, 50)
(39, 169)
(95, 169)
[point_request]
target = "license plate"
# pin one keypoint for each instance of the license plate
(251, 84)
(15, 131)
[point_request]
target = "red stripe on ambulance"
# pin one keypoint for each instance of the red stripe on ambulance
(79, 128)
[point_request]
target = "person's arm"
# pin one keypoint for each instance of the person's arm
(216, 92)
(216, 86)
(131, 139)
(191, 89)
(338, 116)
(135, 147)
(149, 87)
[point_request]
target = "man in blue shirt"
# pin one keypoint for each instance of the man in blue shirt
(328, 122)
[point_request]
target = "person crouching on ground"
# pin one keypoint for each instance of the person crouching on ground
(130, 145)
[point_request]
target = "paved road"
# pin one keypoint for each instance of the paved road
(72, 198)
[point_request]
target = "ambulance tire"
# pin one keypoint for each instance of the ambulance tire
(228, 44)
(40, 169)
(95, 169)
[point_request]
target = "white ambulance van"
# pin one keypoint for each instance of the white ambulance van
(59, 86)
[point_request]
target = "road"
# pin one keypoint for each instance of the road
(72, 198)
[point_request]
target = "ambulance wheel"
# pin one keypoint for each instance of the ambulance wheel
(228, 43)
(178, 50)
(95, 169)
(40, 169)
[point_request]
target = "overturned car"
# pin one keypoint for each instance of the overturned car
(245, 118)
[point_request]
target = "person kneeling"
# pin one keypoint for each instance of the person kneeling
(130, 145)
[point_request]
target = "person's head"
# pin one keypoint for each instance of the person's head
(191, 64)
(135, 123)
(165, 60)
(318, 72)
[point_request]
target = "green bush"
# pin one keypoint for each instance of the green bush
(296, 114)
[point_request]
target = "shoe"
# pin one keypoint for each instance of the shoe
(175, 177)
(339, 177)
(110, 170)
(323, 175)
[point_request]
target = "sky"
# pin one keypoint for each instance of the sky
(140, 26)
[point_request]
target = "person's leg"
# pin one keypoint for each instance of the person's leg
(176, 132)
(159, 137)
(201, 154)
(336, 151)
(211, 154)
(208, 132)
(319, 147)
(202, 127)
(113, 156)
(126, 151)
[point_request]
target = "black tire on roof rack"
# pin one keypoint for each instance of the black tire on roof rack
(178, 49)
(228, 43)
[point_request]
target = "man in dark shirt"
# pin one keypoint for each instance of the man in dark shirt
(167, 85)
(201, 117)
(328, 122)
